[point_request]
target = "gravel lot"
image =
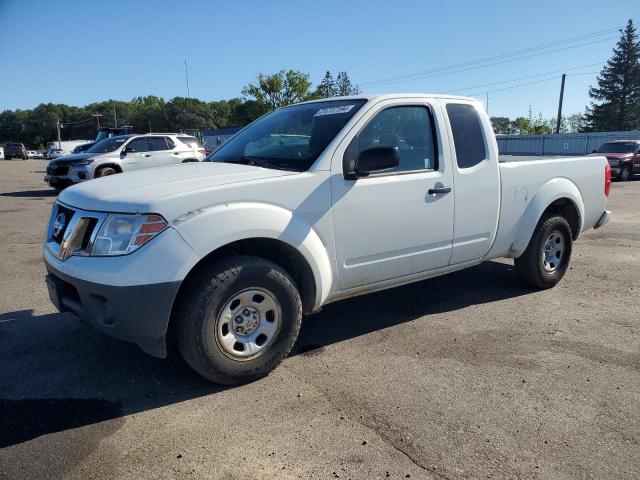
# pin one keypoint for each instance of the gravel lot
(464, 376)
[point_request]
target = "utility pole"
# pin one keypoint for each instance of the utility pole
(58, 126)
(115, 116)
(186, 74)
(560, 104)
(97, 115)
(149, 125)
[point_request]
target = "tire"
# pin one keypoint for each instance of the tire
(208, 314)
(625, 174)
(540, 270)
(105, 172)
(189, 160)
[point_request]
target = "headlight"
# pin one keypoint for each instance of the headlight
(122, 234)
(613, 162)
(83, 162)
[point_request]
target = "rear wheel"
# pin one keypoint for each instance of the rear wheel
(546, 259)
(625, 174)
(238, 319)
(105, 172)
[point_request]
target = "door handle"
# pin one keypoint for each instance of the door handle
(148, 155)
(176, 153)
(438, 190)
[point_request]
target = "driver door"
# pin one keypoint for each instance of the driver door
(391, 224)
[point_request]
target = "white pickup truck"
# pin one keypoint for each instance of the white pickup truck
(310, 204)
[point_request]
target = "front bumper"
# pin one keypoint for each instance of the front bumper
(138, 314)
(129, 297)
(75, 174)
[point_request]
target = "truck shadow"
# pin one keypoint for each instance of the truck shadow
(56, 374)
(31, 193)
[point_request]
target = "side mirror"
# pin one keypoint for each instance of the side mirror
(128, 150)
(372, 160)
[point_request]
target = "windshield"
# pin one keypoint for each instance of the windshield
(615, 147)
(108, 145)
(290, 138)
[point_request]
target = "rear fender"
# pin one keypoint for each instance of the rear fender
(554, 189)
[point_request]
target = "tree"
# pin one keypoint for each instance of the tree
(501, 125)
(344, 86)
(616, 99)
(327, 87)
(278, 90)
(530, 125)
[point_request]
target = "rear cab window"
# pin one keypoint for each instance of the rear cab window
(468, 135)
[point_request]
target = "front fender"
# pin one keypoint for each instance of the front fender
(554, 189)
(219, 225)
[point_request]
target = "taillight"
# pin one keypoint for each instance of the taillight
(202, 151)
(607, 179)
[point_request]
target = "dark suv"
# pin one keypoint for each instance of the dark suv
(14, 150)
(623, 157)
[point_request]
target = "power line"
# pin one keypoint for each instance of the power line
(475, 67)
(465, 89)
(555, 77)
(516, 53)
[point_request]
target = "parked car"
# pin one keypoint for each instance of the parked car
(14, 150)
(52, 153)
(123, 153)
(67, 146)
(385, 190)
(83, 148)
(623, 157)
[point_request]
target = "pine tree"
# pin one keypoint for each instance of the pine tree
(344, 86)
(327, 87)
(616, 104)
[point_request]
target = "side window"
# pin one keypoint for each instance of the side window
(170, 143)
(410, 129)
(139, 144)
(158, 143)
(468, 136)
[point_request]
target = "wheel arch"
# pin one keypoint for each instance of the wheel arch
(115, 166)
(559, 195)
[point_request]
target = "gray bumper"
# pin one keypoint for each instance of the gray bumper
(604, 219)
(138, 314)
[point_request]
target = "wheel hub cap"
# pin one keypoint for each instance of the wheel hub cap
(553, 251)
(248, 323)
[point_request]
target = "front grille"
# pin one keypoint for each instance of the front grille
(60, 223)
(71, 231)
(57, 169)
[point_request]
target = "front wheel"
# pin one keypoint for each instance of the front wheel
(546, 259)
(105, 172)
(238, 319)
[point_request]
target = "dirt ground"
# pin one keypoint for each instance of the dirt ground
(469, 375)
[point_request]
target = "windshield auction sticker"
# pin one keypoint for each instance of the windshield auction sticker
(334, 110)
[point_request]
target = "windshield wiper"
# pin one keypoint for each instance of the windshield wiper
(260, 162)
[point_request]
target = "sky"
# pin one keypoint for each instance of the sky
(77, 51)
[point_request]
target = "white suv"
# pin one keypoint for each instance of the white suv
(124, 153)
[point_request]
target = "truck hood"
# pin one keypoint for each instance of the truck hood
(151, 190)
(69, 159)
